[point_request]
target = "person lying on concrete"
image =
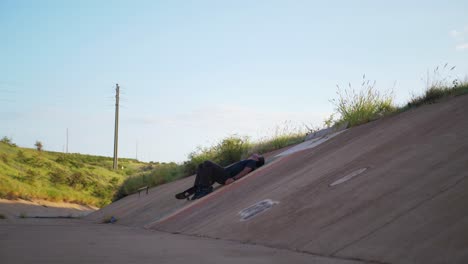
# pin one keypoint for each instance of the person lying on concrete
(209, 172)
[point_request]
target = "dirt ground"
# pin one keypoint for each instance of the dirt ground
(14, 209)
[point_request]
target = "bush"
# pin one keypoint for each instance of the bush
(77, 180)
(8, 141)
(58, 176)
(21, 157)
(358, 107)
(4, 158)
(229, 150)
(53, 195)
(31, 176)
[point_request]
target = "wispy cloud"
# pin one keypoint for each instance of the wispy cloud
(232, 119)
(460, 36)
(463, 46)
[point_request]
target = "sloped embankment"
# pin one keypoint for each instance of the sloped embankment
(407, 205)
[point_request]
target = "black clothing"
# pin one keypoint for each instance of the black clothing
(237, 167)
(209, 172)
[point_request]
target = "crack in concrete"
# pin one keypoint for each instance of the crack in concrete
(399, 216)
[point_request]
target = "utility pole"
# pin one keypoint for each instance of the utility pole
(136, 156)
(116, 132)
(67, 140)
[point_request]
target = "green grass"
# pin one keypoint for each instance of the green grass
(367, 103)
(436, 93)
(83, 179)
(364, 105)
(152, 175)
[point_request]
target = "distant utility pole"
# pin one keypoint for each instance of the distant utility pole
(116, 132)
(67, 140)
(136, 155)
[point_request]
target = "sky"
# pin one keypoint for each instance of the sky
(194, 72)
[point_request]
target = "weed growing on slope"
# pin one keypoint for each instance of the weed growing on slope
(283, 136)
(361, 106)
(439, 84)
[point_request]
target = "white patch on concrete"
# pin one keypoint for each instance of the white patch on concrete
(348, 177)
(308, 144)
(256, 209)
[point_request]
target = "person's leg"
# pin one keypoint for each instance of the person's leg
(208, 173)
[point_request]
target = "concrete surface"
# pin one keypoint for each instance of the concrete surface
(327, 131)
(408, 206)
(312, 143)
(394, 212)
(135, 210)
(69, 241)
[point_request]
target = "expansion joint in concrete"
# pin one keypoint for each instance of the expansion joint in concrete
(394, 219)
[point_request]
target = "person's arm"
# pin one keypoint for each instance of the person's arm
(241, 174)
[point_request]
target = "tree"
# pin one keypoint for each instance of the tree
(8, 141)
(38, 145)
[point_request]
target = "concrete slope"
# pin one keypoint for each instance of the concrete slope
(138, 210)
(407, 205)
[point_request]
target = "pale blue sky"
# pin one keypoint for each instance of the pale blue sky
(194, 72)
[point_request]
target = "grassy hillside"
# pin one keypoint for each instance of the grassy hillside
(84, 179)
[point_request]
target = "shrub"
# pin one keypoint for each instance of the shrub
(77, 180)
(58, 176)
(11, 195)
(20, 156)
(4, 158)
(229, 150)
(53, 195)
(101, 192)
(31, 176)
